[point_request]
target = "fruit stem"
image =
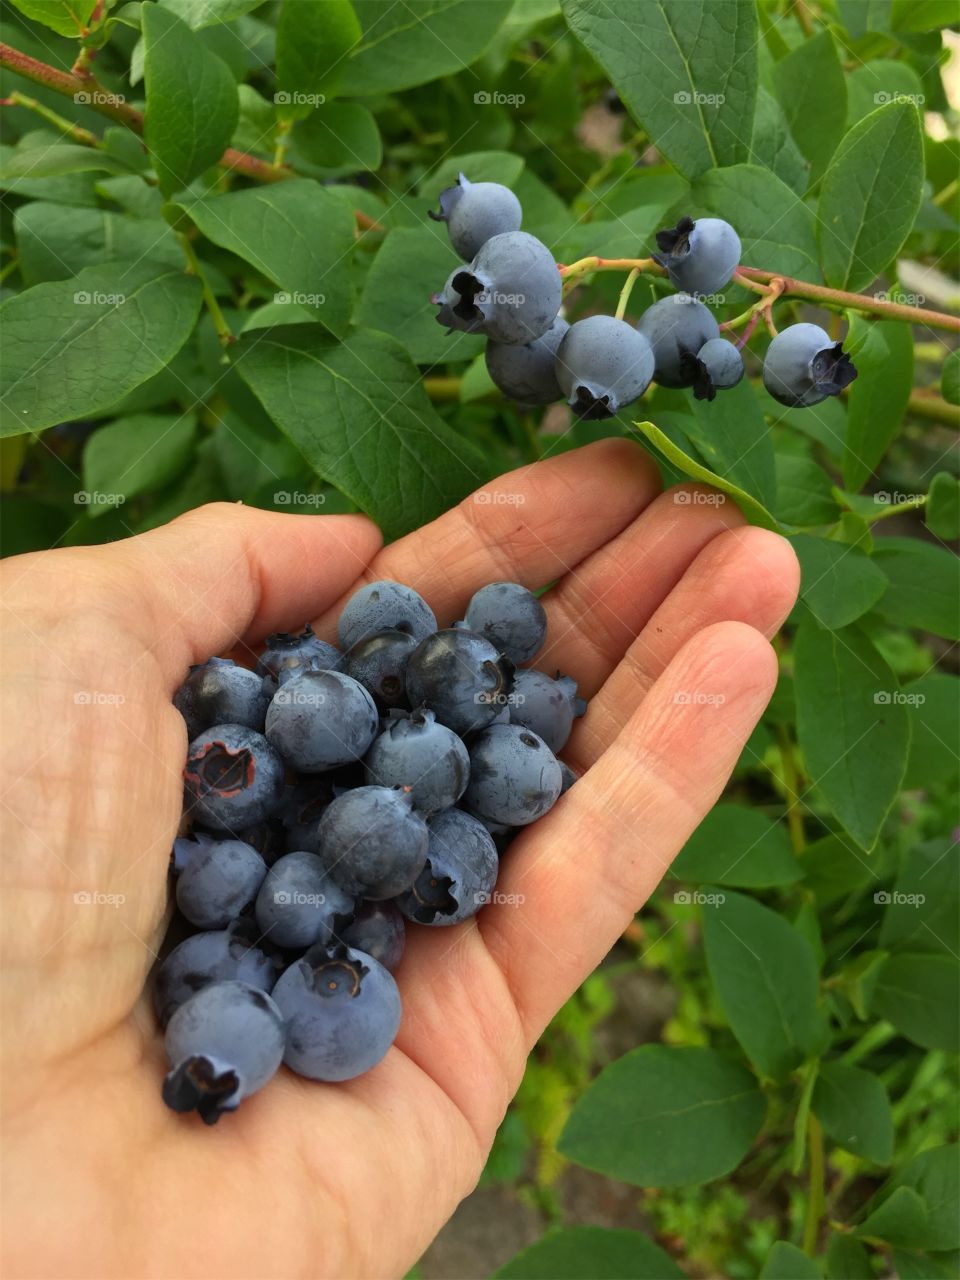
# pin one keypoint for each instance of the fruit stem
(625, 293)
(283, 131)
(75, 131)
(213, 306)
(926, 405)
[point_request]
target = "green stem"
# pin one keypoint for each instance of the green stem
(212, 305)
(283, 130)
(948, 192)
(9, 268)
(815, 1195)
(625, 293)
(791, 785)
(898, 508)
(928, 406)
(873, 1038)
(75, 131)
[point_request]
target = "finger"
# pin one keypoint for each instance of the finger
(596, 612)
(743, 575)
(531, 526)
(586, 867)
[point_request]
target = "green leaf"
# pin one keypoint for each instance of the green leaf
(934, 703)
(732, 437)
(853, 1107)
(66, 17)
(73, 347)
(923, 15)
(853, 731)
(935, 1176)
(411, 263)
(943, 506)
(874, 84)
(950, 377)
(737, 846)
(838, 583)
(57, 159)
(775, 227)
(313, 41)
(804, 492)
(665, 1117)
(56, 241)
(900, 1219)
(923, 591)
(834, 866)
(755, 512)
(916, 1266)
(479, 166)
(787, 1262)
(192, 103)
(591, 1253)
(296, 233)
(209, 13)
(920, 995)
(686, 70)
(402, 46)
(870, 196)
(136, 454)
(861, 16)
(810, 86)
(339, 135)
(923, 911)
(847, 1259)
(772, 148)
(765, 975)
(378, 438)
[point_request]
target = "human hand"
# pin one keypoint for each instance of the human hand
(657, 600)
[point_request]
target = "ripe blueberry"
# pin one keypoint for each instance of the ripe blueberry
(803, 366)
(377, 930)
(546, 706)
(461, 676)
(603, 364)
(289, 651)
(342, 1010)
(527, 372)
(299, 904)
(379, 663)
(717, 366)
(460, 872)
(699, 256)
(510, 617)
(510, 291)
(676, 327)
(514, 776)
(384, 606)
(224, 955)
(372, 842)
(221, 692)
(321, 719)
(427, 758)
(475, 211)
(220, 879)
(233, 777)
(223, 1044)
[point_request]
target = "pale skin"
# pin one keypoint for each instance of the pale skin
(658, 597)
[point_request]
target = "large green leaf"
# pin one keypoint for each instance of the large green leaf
(786, 1262)
(340, 135)
(732, 437)
(772, 147)
(56, 241)
(358, 413)
(411, 264)
(192, 103)
(810, 86)
(804, 492)
(920, 995)
(736, 845)
(853, 730)
(665, 1117)
(66, 17)
(870, 196)
(56, 160)
(135, 454)
(875, 83)
(878, 397)
(420, 40)
(853, 1107)
(924, 589)
(313, 41)
(73, 347)
(685, 69)
(838, 582)
(899, 1219)
(934, 702)
(935, 1176)
(775, 228)
(765, 975)
(591, 1253)
(209, 13)
(751, 508)
(297, 233)
(923, 911)
(943, 506)
(847, 1259)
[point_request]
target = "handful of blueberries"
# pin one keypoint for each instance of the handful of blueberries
(337, 794)
(511, 291)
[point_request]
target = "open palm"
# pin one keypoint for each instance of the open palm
(660, 610)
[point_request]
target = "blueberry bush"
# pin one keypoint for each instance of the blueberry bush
(217, 271)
